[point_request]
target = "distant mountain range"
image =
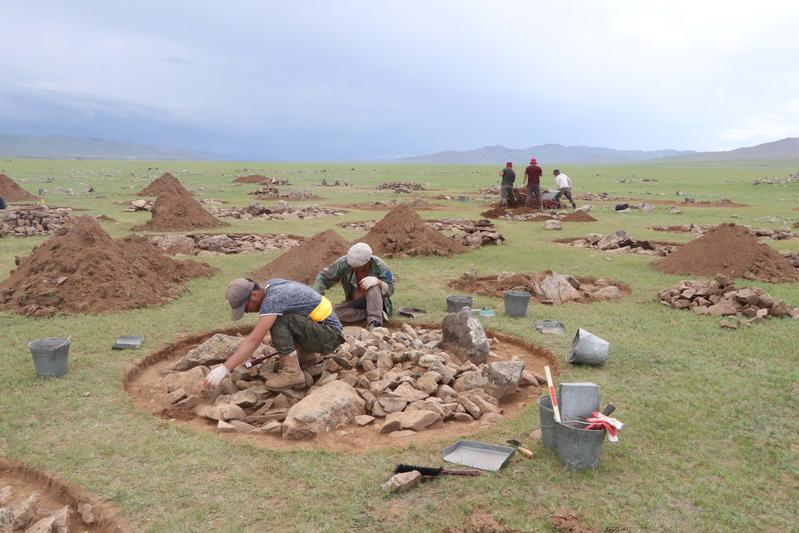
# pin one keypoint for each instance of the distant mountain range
(783, 150)
(65, 147)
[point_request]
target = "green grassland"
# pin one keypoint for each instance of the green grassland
(711, 441)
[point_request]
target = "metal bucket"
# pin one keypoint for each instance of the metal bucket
(579, 449)
(456, 302)
(546, 419)
(516, 302)
(588, 349)
(50, 356)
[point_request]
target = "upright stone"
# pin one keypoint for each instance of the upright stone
(464, 335)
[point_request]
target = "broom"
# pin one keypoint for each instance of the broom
(434, 472)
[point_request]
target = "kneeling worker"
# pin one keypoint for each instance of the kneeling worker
(301, 321)
(367, 282)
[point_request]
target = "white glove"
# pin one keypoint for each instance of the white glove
(216, 376)
(368, 282)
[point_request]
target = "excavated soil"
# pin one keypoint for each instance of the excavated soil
(25, 480)
(578, 216)
(143, 381)
(179, 212)
(536, 215)
(403, 233)
(165, 184)
(12, 192)
(252, 178)
(302, 263)
(82, 269)
(732, 251)
(490, 286)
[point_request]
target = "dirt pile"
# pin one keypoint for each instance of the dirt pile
(732, 251)
(26, 221)
(701, 229)
(165, 184)
(577, 216)
(176, 212)
(230, 243)
(721, 298)
(546, 287)
(403, 233)
(621, 241)
(282, 211)
(82, 269)
(33, 501)
(252, 178)
(12, 192)
(302, 263)
(400, 380)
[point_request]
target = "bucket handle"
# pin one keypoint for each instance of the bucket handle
(69, 338)
(523, 287)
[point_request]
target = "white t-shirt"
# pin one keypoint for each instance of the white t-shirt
(562, 180)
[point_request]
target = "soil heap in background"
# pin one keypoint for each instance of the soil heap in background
(252, 178)
(12, 192)
(302, 263)
(403, 233)
(732, 251)
(578, 216)
(178, 212)
(83, 270)
(166, 184)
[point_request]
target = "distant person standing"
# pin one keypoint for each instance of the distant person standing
(506, 187)
(564, 184)
(533, 174)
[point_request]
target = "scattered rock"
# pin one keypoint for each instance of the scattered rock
(403, 482)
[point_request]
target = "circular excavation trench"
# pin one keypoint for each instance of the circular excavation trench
(36, 498)
(145, 382)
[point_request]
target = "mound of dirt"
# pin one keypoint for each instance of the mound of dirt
(83, 270)
(403, 233)
(302, 263)
(730, 250)
(179, 212)
(578, 216)
(12, 192)
(165, 184)
(252, 178)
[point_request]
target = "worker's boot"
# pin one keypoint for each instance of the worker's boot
(306, 357)
(288, 374)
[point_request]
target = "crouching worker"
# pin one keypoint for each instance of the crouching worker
(368, 285)
(302, 324)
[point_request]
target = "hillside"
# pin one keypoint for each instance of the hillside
(65, 147)
(783, 150)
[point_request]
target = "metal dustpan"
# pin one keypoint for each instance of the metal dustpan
(128, 342)
(551, 327)
(413, 312)
(478, 455)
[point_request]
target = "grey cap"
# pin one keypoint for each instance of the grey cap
(238, 292)
(359, 254)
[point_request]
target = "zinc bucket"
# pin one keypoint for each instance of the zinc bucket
(588, 349)
(546, 419)
(516, 302)
(50, 356)
(579, 449)
(456, 302)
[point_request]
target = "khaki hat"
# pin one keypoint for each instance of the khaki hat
(238, 292)
(359, 254)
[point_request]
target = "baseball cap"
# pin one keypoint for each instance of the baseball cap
(238, 292)
(359, 254)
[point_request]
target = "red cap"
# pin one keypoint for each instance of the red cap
(534, 161)
(508, 164)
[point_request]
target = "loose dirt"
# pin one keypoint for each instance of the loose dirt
(578, 216)
(83, 270)
(252, 178)
(143, 381)
(566, 520)
(12, 192)
(403, 233)
(55, 494)
(481, 521)
(179, 212)
(302, 263)
(732, 251)
(165, 184)
(495, 286)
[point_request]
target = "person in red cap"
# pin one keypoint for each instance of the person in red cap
(506, 187)
(533, 174)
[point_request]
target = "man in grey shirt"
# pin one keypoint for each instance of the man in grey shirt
(506, 187)
(302, 323)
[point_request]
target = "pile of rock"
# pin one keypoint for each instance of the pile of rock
(363, 225)
(721, 298)
(25, 221)
(401, 381)
(636, 180)
(282, 211)
(32, 515)
(403, 187)
(777, 181)
(489, 190)
(472, 233)
(222, 244)
(416, 203)
(621, 241)
(701, 229)
(272, 192)
(596, 197)
(793, 257)
(335, 183)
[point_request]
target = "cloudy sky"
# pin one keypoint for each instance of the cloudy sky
(361, 79)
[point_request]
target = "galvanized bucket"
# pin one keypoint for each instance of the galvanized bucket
(456, 302)
(50, 356)
(516, 302)
(546, 419)
(579, 449)
(588, 349)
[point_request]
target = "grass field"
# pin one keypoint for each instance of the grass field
(711, 441)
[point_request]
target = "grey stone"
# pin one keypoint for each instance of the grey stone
(428, 382)
(416, 420)
(503, 378)
(26, 510)
(403, 482)
(472, 379)
(242, 427)
(273, 427)
(464, 335)
(191, 380)
(86, 512)
(446, 393)
(328, 407)
(215, 350)
(364, 420)
(555, 288)
(610, 292)
(410, 394)
(244, 398)
(224, 427)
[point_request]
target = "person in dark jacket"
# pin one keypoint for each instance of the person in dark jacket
(506, 187)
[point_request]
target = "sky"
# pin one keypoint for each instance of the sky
(313, 80)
